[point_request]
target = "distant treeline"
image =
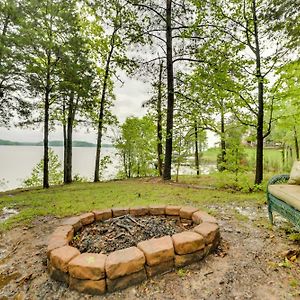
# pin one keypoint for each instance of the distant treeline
(51, 144)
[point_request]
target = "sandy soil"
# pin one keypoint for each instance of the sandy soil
(250, 263)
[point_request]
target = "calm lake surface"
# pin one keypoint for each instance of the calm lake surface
(17, 162)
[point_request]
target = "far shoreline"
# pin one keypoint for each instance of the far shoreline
(54, 143)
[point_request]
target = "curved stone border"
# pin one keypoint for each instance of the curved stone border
(97, 273)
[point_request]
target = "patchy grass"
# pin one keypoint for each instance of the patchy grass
(240, 217)
(72, 199)
(226, 181)
(202, 180)
(295, 237)
(263, 223)
(181, 272)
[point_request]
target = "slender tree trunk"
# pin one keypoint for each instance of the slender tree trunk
(287, 155)
(283, 156)
(196, 148)
(296, 143)
(259, 138)
(65, 140)
(46, 123)
(178, 162)
(223, 141)
(46, 141)
(124, 163)
(170, 85)
(65, 152)
(69, 147)
(129, 164)
(69, 151)
(260, 99)
(159, 123)
(101, 110)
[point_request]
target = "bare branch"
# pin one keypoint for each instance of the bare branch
(274, 63)
(157, 37)
(244, 100)
(242, 121)
(154, 59)
(149, 8)
(188, 59)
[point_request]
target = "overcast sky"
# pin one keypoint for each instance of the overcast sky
(129, 99)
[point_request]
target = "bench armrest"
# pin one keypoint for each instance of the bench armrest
(282, 178)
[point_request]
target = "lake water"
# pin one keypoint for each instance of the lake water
(17, 162)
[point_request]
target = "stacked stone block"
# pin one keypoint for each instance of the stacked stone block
(94, 273)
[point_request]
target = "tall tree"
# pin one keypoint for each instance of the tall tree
(241, 26)
(287, 126)
(136, 146)
(42, 31)
(170, 85)
(122, 30)
(156, 105)
(78, 76)
(12, 91)
(163, 27)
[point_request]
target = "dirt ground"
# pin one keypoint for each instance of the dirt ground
(251, 263)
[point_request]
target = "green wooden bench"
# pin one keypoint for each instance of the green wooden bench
(284, 198)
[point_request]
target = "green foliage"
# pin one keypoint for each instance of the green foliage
(55, 172)
(69, 52)
(286, 131)
(231, 181)
(235, 156)
(272, 159)
(78, 178)
(12, 89)
(136, 147)
(104, 162)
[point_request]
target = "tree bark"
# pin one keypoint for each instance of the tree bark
(291, 154)
(260, 99)
(65, 139)
(159, 123)
(170, 86)
(283, 155)
(46, 123)
(46, 141)
(223, 141)
(69, 148)
(129, 164)
(196, 148)
(296, 143)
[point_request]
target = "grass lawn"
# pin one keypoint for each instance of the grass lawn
(272, 156)
(72, 199)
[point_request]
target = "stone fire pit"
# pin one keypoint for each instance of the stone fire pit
(96, 273)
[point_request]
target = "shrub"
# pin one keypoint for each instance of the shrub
(56, 174)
